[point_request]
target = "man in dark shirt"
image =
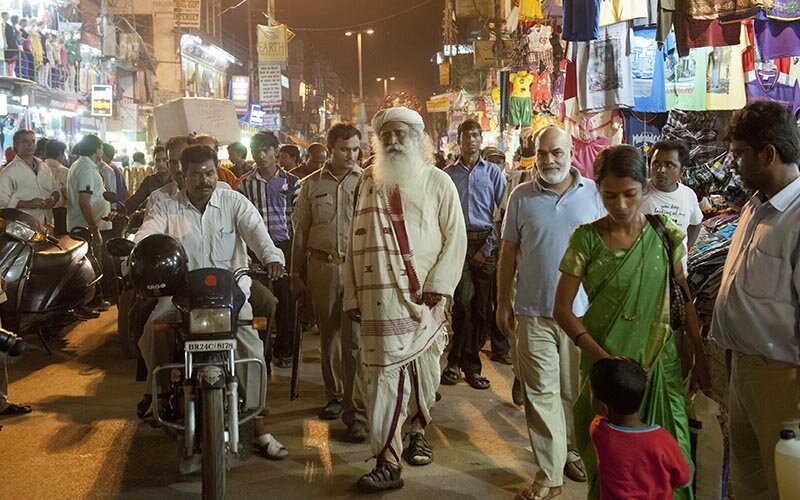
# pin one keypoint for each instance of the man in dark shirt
(237, 154)
(151, 182)
(317, 156)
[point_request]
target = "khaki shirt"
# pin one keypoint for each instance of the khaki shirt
(324, 210)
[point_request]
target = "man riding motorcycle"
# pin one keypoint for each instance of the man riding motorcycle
(215, 228)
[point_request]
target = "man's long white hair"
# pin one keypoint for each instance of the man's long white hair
(401, 165)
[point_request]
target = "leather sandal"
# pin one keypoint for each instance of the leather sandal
(538, 491)
(450, 376)
(478, 382)
(575, 471)
(384, 476)
(418, 451)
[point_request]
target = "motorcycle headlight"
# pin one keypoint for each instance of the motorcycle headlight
(210, 320)
(22, 232)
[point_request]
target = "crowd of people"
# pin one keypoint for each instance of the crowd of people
(574, 282)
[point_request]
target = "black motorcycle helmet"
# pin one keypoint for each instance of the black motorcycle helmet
(158, 266)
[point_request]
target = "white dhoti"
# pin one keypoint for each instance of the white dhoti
(402, 393)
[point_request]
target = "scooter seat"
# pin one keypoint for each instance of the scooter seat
(49, 258)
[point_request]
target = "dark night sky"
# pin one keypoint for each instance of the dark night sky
(401, 47)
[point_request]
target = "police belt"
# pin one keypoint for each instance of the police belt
(325, 256)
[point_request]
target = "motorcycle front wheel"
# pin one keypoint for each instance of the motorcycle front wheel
(213, 450)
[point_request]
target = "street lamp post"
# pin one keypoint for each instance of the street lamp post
(385, 81)
(362, 110)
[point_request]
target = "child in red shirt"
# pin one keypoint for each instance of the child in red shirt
(634, 460)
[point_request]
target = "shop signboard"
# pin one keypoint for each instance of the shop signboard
(102, 97)
(187, 13)
(273, 43)
(269, 84)
(256, 118)
(484, 53)
(163, 8)
(240, 93)
(444, 74)
(438, 104)
(198, 115)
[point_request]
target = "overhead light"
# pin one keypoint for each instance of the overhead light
(348, 33)
(370, 31)
(379, 79)
(391, 78)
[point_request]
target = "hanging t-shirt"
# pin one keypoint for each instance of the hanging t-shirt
(614, 11)
(647, 69)
(686, 80)
(725, 81)
(732, 9)
(694, 33)
(783, 10)
(642, 130)
(581, 20)
(530, 9)
(776, 39)
(773, 86)
(603, 69)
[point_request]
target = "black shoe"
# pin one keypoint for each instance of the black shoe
(144, 408)
(283, 362)
(357, 431)
(517, 394)
(84, 313)
(438, 396)
(418, 451)
(384, 476)
(332, 410)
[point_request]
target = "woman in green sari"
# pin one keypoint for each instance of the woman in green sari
(622, 264)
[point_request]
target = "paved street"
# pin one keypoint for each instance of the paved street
(84, 440)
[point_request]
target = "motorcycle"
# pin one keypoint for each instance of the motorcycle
(46, 277)
(202, 400)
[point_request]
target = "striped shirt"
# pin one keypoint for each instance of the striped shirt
(274, 199)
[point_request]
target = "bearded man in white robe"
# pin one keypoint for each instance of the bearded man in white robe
(406, 253)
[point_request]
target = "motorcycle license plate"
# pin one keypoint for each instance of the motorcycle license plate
(209, 345)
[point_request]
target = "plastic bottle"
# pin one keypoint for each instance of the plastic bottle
(787, 465)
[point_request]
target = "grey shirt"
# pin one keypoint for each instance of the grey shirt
(541, 223)
(757, 308)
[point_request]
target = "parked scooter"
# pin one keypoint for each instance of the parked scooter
(202, 402)
(46, 277)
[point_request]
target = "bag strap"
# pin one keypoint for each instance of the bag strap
(661, 230)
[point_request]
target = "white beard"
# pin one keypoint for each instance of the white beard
(553, 177)
(402, 167)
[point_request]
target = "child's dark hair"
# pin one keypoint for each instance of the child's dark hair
(618, 382)
(621, 161)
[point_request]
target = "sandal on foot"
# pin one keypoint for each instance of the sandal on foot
(575, 471)
(478, 382)
(418, 451)
(450, 376)
(384, 476)
(13, 409)
(270, 447)
(537, 491)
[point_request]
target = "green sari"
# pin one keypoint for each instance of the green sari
(629, 316)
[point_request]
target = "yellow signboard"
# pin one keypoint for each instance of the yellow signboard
(273, 43)
(438, 104)
(444, 74)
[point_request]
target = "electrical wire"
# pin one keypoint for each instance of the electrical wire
(366, 23)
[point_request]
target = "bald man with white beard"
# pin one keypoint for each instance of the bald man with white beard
(406, 252)
(541, 215)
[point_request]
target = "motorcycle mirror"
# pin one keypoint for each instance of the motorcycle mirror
(119, 247)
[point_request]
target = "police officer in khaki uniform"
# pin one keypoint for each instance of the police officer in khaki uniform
(322, 218)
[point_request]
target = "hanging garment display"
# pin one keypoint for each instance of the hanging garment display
(726, 9)
(647, 70)
(541, 49)
(695, 33)
(614, 11)
(783, 10)
(642, 130)
(581, 20)
(764, 85)
(725, 81)
(776, 39)
(603, 67)
(530, 9)
(686, 80)
(521, 108)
